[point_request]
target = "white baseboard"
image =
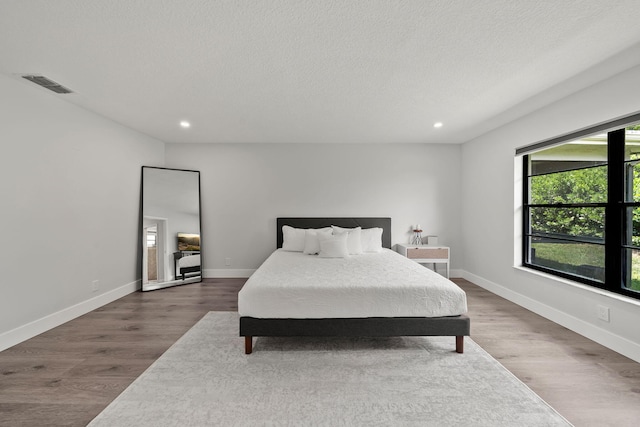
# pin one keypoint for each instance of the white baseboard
(610, 340)
(30, 330)
(456, 273)
(227, 273)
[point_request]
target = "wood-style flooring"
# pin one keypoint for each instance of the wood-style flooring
(66, 376)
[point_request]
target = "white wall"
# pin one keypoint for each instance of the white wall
(489, 209)
(70, 194)
(247, 186)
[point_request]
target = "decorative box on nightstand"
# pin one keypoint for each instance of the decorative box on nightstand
(424, 254)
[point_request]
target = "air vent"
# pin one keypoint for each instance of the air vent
(47, 83)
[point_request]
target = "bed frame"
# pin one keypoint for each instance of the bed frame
(185, 272)
(457, 326)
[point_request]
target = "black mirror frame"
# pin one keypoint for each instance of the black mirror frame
(142, 245)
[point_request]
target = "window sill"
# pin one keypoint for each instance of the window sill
(579, 285)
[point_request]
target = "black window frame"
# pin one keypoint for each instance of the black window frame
(616, 207)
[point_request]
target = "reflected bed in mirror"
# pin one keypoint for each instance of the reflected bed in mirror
(170, 227)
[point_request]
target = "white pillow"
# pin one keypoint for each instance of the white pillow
(333, 246)
(292, 239)
(353, 238)
(371, 239)
(311, 239)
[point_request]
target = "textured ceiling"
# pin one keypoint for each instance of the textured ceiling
(317, 71)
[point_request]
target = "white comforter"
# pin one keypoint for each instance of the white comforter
(386, 284)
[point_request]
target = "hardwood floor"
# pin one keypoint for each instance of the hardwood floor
(67, 375)
(587, 383)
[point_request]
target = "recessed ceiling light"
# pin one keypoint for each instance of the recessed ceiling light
(185, 124)
(437, 125)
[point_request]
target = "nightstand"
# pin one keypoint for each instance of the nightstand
(424, 254)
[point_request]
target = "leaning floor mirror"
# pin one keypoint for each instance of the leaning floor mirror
(170, 227)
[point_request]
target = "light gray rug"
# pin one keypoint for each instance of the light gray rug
(205, 379)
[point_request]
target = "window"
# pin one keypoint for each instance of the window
(151, 237)
(581, 207)
(631, 209)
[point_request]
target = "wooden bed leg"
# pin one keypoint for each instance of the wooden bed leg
(460, 344)
(248, 345)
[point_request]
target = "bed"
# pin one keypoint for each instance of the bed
(186, 265)
(294, 294)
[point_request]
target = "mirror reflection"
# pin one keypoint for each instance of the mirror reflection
(171, 252)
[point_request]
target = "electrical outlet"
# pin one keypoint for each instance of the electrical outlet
(227, 262)
(603, 313)
(95, 285)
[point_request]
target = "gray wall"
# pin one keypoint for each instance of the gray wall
(245, 187)
(491, 194)
(70, 191)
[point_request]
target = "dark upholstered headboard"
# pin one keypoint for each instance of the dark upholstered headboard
(384, 223)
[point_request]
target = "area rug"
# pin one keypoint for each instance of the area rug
(205, 379)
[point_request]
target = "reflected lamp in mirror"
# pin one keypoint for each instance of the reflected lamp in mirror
(171, 227)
